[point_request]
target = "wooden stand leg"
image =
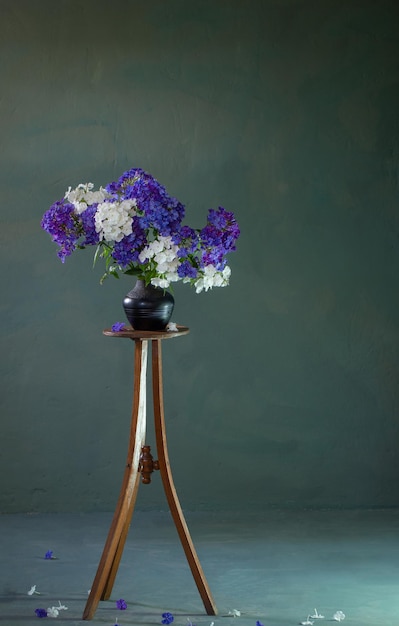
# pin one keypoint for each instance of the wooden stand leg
(168, 484)
(112, 553)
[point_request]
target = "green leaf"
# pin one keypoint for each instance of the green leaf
(96, 254)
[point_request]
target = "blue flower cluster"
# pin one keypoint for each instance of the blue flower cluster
(121, 604)
(137, 229)
(41, 612)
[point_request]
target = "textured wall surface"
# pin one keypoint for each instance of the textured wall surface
(286, 392)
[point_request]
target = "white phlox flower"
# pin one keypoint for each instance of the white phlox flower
(83, 196)
(32, 591)
(171, 327)
(211, 277)
(160, 282)
(113, 220)
(317, 615)
(52, 611)
(339, 616)
(164, 253)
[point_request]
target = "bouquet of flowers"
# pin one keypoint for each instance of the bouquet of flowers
(136, 228)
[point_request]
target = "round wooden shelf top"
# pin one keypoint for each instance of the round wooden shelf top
(130, 333)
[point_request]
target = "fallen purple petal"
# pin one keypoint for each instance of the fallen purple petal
(41, 612)
(49, 555)
(121, 605)
(117, 327)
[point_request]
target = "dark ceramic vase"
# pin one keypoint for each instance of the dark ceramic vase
(148, 307)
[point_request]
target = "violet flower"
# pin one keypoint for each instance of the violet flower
(121, 605)
(117, 327)
(49, 555)
(167, 618)
(41, 612)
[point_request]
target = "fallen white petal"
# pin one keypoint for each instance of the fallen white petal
(317, 615)
(307, 622)
(32, 591)
(61, 607)
(339, 616)
(235, 613)
(52, 612)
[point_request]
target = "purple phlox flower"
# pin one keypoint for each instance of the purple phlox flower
(121, 605)
(221, 230)
(224, 220)
(187, 239)
(258, 623)
(214, 257)
(185, 269)
(127, 179)
(117, 327)
(167, 618)
(155, 208)
(89, 227)
(49, 555)
(68, 229)
(64, 226)
(41, 612)
(128, 249)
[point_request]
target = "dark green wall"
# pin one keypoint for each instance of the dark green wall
(285, 393)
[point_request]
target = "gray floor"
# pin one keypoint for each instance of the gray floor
(276, 567)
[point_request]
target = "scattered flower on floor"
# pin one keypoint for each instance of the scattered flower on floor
(317, 615)
(41, 612)
(167, 618)
(307, 622)
(32, 591)
(339, 616)
(49, 555)
(258, 623)
(121, 605)
(235, 613)
(52, 611)
(117, 327)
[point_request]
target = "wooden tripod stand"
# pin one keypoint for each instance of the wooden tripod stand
(140, 462)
